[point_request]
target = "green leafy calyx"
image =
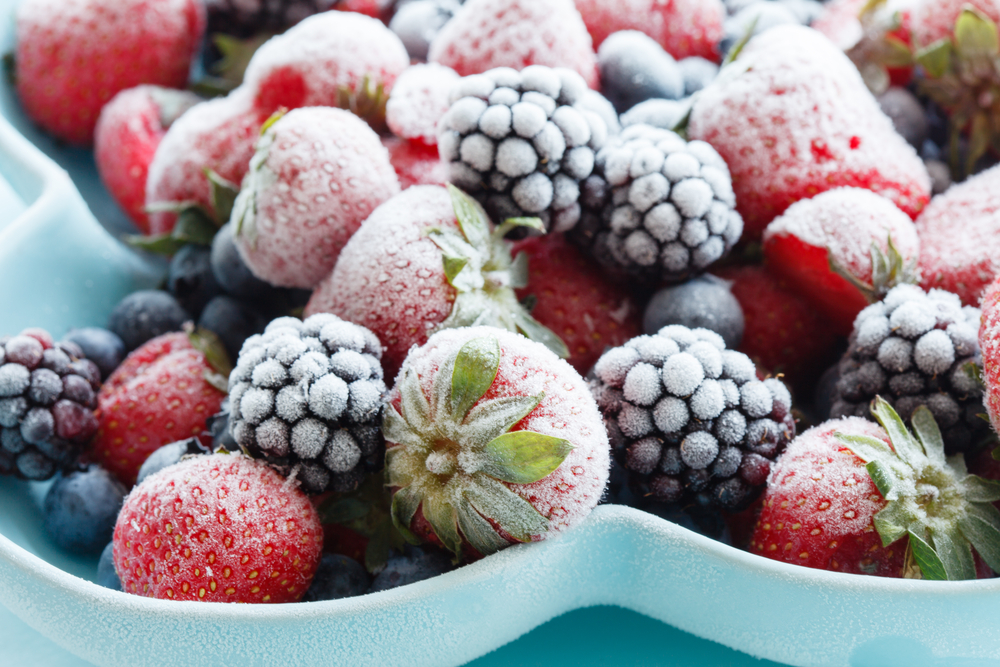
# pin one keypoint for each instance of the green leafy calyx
(889, 269)
(452, 453)
(942, 510)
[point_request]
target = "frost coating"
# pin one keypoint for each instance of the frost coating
(418, 101)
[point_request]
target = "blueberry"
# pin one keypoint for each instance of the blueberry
(940, 175)
(233, 321)
(906, 113)
(415, 564)
(697, 72)
(105, 348)
(337, 577)
(81, 508)
(190, 278)
(144, 315)
(634, 68)
(218, 426)
(231, 273)
(168, 455)
(416, 24)
(704, 301)
(767, 15)
(106, 574)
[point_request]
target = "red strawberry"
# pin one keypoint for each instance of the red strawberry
(823, 247)
(783, 332)
(585, 309)
(792, 118)
(316, 175)
(219, 528)
(989, 345)
(527, 455)
(419, 99)
(159, 394)
(849, 496)
(960, 237)
(683, 28)
(935, 19)
(128, 131)
(415, 163)
(485, 34)
(415, 267)
(75, 55)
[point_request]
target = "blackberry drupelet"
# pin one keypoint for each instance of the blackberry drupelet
(689, 419)
(917, 348)
(307, 398)
(658, 208)
(521, 142)
(48, 393)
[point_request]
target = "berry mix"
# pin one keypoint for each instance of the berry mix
(445, 276)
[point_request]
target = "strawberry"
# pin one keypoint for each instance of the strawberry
(419, 99)
(218, 528)
(428, 259)
(684, 28)
(485, 34)
(960, 237)
(933, 20)
(316, 175)
(415, 163)
(492, 441)
(989, 344)
(161, 393)
(792, 118)
(784, 332)
(588, 311)
(849, 496)
(74, 55)
(128, 131)
(841, 250)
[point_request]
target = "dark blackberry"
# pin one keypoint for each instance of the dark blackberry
(917, 348)
(307, 397)
(244, 18)
(689, 419)
(658, 208)
(47, 401)
(521, 142)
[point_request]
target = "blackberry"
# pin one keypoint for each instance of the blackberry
(245, 18)
(689, 419)
(307, 398)
(47, 400)
(916, 348)
(658, 208)
(521, 142)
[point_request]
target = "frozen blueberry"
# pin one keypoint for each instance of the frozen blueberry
(231, 273)
(105, 348)
(697, 73)
(416, 24)
(705, 301)
(766, 14)
(414, 564)
(906, 113)
(337, 577)
(634, 68)
(168, 455)
(144, 315)
(106, 574)
(190, 278)
(665, 114)
(232, 320)
(81, 508)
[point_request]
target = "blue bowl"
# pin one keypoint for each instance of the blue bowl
(60, 268)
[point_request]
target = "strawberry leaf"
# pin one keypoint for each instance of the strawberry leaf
(210, 345)
(472, 220)
(491, 419)
(928, 434)
(416, 408)
(524, 457)
(531, 328)
(982, 528)
(865, 447)
(515, 515)
(935, 58)
(405, 503)
(882, 477)
(443, 519)
(975, 34)
(927, 559)
(979, 490)
(475, 369)
(513, 223)
(462, 263)
(907, 448)
(478, 530)
(955, 553)
(519, 272)
(222, 195)
(891, 523)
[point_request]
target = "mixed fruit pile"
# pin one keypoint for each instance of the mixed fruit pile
(446, 276)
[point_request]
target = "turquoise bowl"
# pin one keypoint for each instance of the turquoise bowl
(60, 268)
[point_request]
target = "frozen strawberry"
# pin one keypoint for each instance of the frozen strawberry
(588, 311)
(485, 34)
(415, 163)
(849, 496)
(527, 456)
(74, 55)
(330, 59)
(784, 333)
(128, 132)
(825, 246)
(217, 135)
(316, 175)
(960, 237)
(419, 99)
(160, 394)
(219, 528)
(425, 260)
(683, 28)
(989, 343)
(792, 118)
(935, 19)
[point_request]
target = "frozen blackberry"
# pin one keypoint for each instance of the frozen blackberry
(917, 348)
(689, 419)
(521, 142)
(48, 392)
(658, 208)
(307, 398)
(244, 18)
